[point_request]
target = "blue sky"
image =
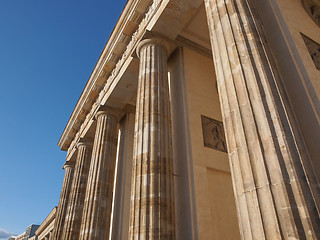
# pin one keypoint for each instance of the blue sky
(48, 49)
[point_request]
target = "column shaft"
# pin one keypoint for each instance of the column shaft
(78, 190)
(63, 202)
(98, 199)
(152, 209)
(121, 212)
(274, 199)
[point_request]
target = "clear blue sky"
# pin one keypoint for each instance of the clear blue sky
(48, 49)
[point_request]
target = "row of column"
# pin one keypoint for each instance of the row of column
(85, 204)
(276, 198)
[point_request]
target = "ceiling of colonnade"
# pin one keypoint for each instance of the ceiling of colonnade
(191, 30)
(197, 29)
(124, 92)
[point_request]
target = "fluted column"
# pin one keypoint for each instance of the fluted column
(63, 201)
(51, 235)
(78, 190)
(152, 207)
(275, 198)
(98, 199)
(121, 212)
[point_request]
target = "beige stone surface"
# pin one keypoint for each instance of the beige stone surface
(222, 206)
(184, 194)
(263, 79)
(111, 55)
(201, 89)
(63, 201)
(282, 25)
(297, 21)
(73, 216)
(273, 198)
(96, 218)
(152, 206)
(45, 230)
(122, 192)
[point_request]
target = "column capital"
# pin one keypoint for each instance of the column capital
(152, 41)
(68, 164)
(63, 200)
(109, 111)
(84, 142)
(73, 215)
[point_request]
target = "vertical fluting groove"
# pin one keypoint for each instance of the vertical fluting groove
(243, 218)
(151, 205)
(301, 202)
(273, 176)
(77, 194)
(274, 200)
(63, 202)
(245, 167)
(259, 174)
(149, 117)
(98, 199)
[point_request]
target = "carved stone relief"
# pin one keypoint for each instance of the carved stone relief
(312, 7)
(314, 50)
(213, 134)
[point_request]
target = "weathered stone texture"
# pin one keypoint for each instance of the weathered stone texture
(152, 207)
(98, 199)
(312, 7)
(314, 50)
(78, 190)
(274, 199)
(213, 134)
(63, 202)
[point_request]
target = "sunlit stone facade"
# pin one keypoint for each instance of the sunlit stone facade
(45, 231)
(200, 121)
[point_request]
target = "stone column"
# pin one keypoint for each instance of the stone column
(98, 199)
(121, 212)
(275, 198)
(152, 206)
(78, 190)
(63, 201)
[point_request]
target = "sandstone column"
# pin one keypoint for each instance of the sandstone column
(63, 201)
(98, 199)
(78, 190)
(275, 198)
(121, 212)
(152, 207)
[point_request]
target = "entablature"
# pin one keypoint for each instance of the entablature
(115, 47)
(47, 221)
(156, 15)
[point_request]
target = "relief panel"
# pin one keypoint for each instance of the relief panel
(312, 7)
(314, 50)
(213, 134)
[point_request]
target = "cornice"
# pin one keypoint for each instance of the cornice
(68, 140)
(122, 33)
(47, 221)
